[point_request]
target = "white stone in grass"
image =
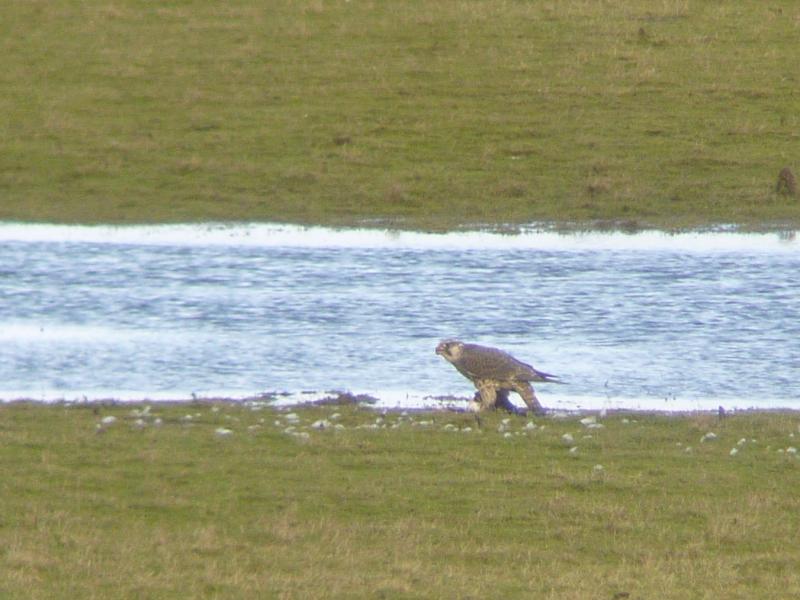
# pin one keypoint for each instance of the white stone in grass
(586, 421)
(223, 432)
(466, 429)
(109, 420)
(573, 450)
(158, 422)
(335, 416)
(450, 427)
(598, 469)
(530, 426)
(506, 435)
(791, 450)
(734, 451)
(741, 442)
(567, 439)
(321, 424)
(709, 437)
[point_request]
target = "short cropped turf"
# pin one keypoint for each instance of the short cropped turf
(406, 114)
(233, 501)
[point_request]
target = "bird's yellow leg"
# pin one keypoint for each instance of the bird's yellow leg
(488, 393)
(525, 390)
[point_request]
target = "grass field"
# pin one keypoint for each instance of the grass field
(162, 504)
(410, 114)
(433, 115)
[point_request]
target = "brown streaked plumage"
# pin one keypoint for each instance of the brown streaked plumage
(494, 373)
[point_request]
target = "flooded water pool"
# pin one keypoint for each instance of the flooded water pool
(647, 321)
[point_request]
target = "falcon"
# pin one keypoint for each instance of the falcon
(495, 373)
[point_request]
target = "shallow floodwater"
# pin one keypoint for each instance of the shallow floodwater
(629, 321)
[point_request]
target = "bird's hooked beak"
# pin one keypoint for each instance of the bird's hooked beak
(448, 348)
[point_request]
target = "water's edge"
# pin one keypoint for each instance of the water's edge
(271, 235)
(393, 402)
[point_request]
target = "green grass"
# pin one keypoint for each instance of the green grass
(406, 511)
(410, 114)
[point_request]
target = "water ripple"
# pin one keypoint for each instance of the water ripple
(89, 311)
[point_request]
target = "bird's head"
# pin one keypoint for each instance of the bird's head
(450, 349)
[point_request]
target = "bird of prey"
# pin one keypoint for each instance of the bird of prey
(495, 373)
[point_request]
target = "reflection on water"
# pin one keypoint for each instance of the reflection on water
(665, 323)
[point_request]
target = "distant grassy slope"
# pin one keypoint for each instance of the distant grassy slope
(422, 114)
(418, 509)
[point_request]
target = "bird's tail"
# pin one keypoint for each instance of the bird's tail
(547, 377)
